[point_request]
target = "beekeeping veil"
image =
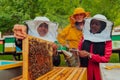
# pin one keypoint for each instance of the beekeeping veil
(103, 36)
(34, 24)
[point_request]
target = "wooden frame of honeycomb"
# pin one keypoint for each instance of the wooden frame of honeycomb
(37, 57)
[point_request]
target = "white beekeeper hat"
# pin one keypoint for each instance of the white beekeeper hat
(34, 24)
(99, 16)
(42, 18)
(99, 37)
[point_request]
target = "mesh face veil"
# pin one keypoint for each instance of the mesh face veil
(34, 24)
(97, 29)
(97, 26)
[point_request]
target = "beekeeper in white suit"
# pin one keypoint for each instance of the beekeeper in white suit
(40, 27)
(33, 26)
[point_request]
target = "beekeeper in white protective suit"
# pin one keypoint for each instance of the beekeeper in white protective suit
(96, 45)
(33, 26)
(40, 27)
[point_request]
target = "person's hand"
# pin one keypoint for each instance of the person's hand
(20, 31)
(84, 53)
(72, 20)
(54, 46)
(66, 45)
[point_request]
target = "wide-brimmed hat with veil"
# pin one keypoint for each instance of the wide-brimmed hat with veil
(34, 24)
(104, 35)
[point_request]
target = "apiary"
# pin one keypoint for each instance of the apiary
(37, 63)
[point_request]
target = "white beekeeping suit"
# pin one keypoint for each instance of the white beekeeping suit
(34, 24)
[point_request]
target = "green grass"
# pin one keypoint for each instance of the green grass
(114, 58)
(6, 57)
(62, 60)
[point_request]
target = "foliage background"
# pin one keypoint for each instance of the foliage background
(16, 11)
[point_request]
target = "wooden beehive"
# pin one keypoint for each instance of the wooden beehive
(110, 71)
(37, 58)
(37, 66)
(65, 73)
(9, 44)
(1, 45)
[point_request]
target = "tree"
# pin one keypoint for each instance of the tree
(17, 11)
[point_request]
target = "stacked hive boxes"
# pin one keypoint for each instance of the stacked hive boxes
(9, 45)
(1, 45)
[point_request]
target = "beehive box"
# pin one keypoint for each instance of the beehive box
(37, 58)
(65, 73)
(62, 73)
(116, 37)
(1, 45)
(10, 69)
(110, 71)
(9, 43)
(115, 45)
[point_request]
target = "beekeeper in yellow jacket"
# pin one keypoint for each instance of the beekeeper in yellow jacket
(72, 34)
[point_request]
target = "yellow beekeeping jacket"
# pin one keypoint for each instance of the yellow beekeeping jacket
(70, 35)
